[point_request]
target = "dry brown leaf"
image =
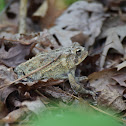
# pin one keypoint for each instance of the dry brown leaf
(15, 115)
(3, 110)
(6, 76)
(111, 99)
(120, 77)
(121, 65)
(84, 17)
(57, 93)
(99, 80)
(42, 10)
(114, 38)
(35, 106)
(27, 86)
(8, 28)
(13, 53)
(109, 96)
(43, 40)
(63, 36)
(54, 10)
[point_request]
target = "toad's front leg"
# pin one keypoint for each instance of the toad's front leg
(78, 88)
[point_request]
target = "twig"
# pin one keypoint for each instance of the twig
(22, 17)
(29, 73)
(99, 110)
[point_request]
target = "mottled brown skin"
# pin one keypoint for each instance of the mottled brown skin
(62, 68)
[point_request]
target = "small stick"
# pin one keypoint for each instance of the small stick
(22, 17)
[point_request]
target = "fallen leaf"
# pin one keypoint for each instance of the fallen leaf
(6, 76)
(3, 110)
(42, 40)
(99, 80)
(109, 96)
(13, 53)
(120, 77)
(9, 28)
(55, 8)
(15, 115)
(84, 17)
(111, 100)
(121, 65)
(58, 93)
(42, 10)
(63, 37)
(114, 38)
(35, 106)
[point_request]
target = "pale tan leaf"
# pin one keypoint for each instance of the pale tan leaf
(35, 106)
(63, 36)
(110, 98)
(114, 38)
(15, 115)
(84, 17)
(42, 10)
(109, 95)
(121, 65)
(120, 78)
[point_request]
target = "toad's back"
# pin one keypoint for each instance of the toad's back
(55, 64)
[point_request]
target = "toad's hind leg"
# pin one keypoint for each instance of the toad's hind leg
(78, 88)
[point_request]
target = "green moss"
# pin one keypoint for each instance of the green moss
(69, 2)
(2, 4)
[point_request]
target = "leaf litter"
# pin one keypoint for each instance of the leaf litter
(105, 65)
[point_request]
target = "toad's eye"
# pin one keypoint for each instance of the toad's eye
(78, 52)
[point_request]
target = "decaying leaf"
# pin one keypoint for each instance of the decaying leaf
(120, 77)
(42, 40)
(121, 65)
(6, 76)
(15, 115)
(57, 93)
(114, 38)
(9, 28)
(13, 53)
(63, 37)
(101, 79)
(111, 99)
(3, 110)
(35, 106)
(109, 96)
(42, 10)
(55, 8)
(84, 17)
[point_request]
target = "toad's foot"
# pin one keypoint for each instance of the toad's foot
(77, 88)
(83, 78)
